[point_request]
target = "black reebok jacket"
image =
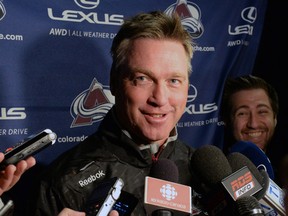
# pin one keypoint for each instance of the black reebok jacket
(106, 153)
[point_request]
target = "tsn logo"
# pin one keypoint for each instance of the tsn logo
(13, 113)
(242, 184)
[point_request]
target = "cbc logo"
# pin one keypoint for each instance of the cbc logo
(168, 192)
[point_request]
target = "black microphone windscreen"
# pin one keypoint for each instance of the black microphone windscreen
(162, 212)
(210, 165)
(165, 169)
(248, 206)
(238, 160)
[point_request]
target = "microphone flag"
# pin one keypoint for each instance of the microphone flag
(167, 195)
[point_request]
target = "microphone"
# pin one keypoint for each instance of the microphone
(220, 186)
(238, 161)
(248, 206)
(273, 199)
(255, 154)
(209, 166)
(165, 169)
(162, 212)
(271, 196)
(163, 196)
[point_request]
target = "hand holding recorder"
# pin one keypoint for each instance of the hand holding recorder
(28, 147)
(16, 160)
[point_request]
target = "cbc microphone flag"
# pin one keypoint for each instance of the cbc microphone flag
(168, 195)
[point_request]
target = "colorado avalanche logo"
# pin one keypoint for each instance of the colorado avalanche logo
(91, 105)
(190, 16)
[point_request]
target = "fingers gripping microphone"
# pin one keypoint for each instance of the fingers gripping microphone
(271, 195)
(163, 195)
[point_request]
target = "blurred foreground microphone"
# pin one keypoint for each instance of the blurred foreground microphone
(271, 197)
(165, 169)
(209, 166)
(254, 154)
(220, 185)
(248, 206)
(163, 196)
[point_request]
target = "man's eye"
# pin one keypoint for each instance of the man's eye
(142, 80)
(175, 81)
(263, 112)
(240, 114)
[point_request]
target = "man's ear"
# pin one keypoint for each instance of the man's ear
(275, 121)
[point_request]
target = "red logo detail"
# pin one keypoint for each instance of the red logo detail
(94, 98)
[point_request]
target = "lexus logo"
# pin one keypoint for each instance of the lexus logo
(249, 14)
(87, 4)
